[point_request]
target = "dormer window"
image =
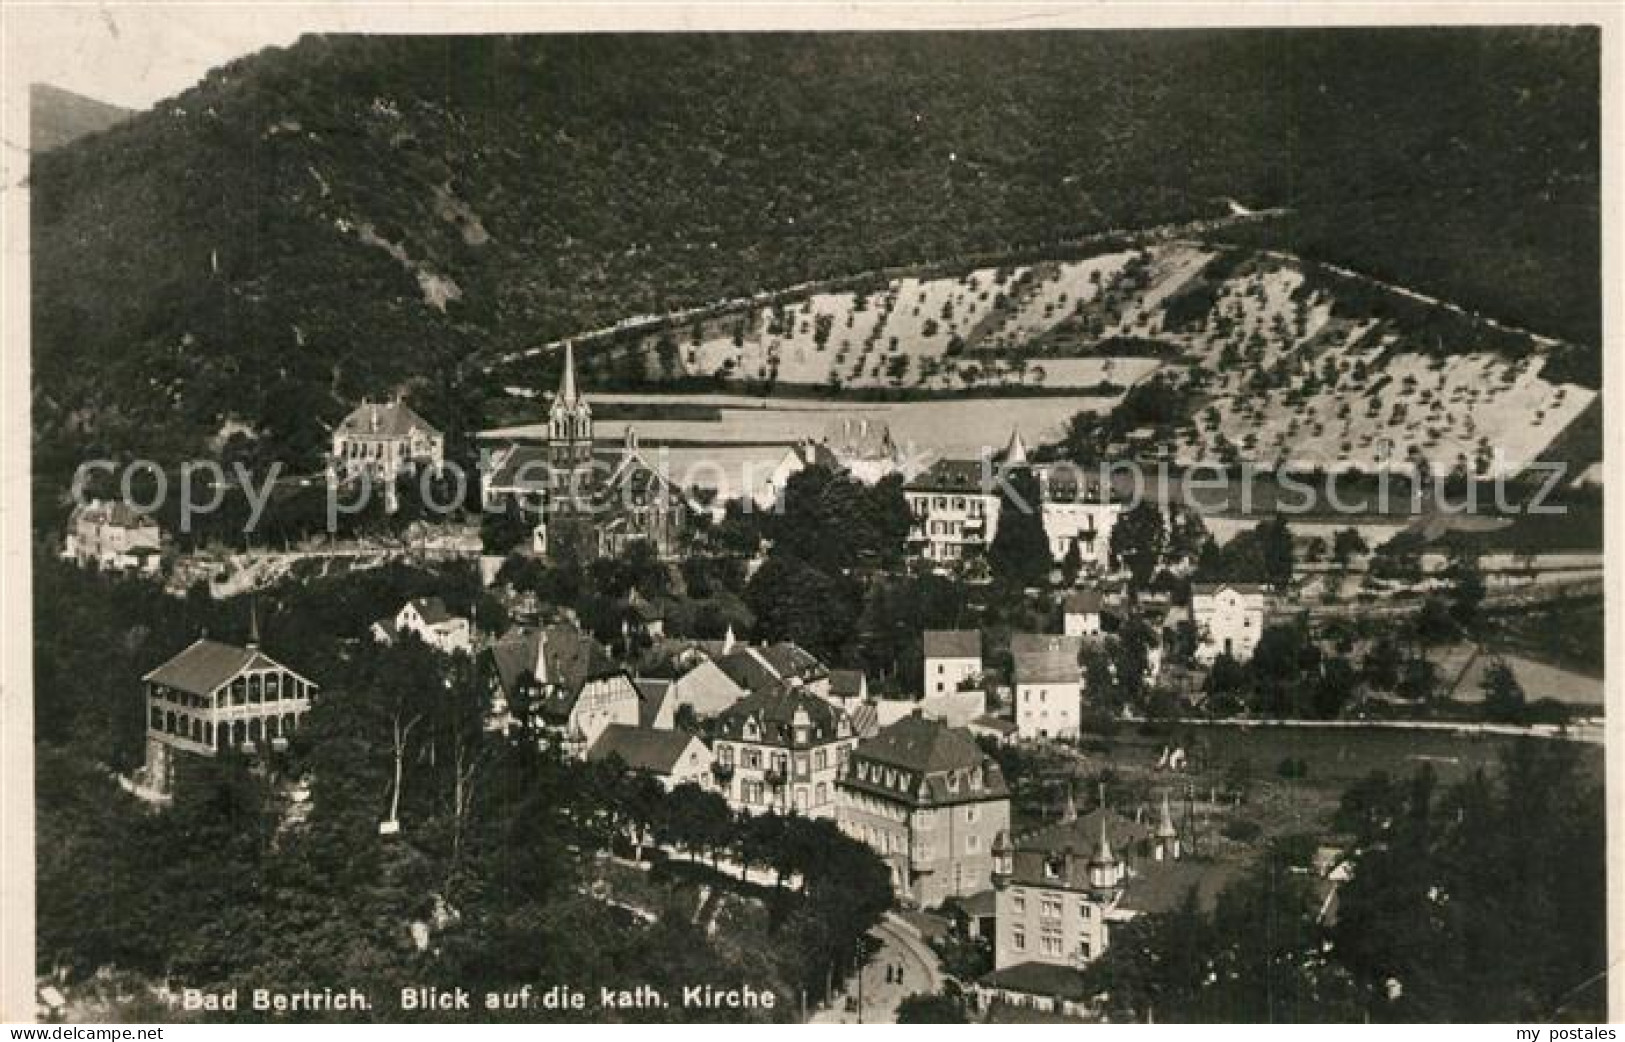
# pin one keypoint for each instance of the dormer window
(1054, 865)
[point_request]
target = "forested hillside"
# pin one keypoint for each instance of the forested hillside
(350, 215)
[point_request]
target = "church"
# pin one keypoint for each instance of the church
(585, 499)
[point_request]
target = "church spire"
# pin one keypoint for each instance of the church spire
(567, 383)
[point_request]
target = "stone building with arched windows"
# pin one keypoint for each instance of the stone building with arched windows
(213, 696)
(584, 499)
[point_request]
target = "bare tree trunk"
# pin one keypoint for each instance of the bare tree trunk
(401, 733)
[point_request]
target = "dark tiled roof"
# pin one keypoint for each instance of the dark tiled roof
(774, 713)
(924, 762)
(387, 421)
(750, 671)
(1059, 854)
(641, 748)
(1038, 978)
(1162, 886)
(953, 644)
(572, 656)
(1045, 658)
(956, 475)
(793, 662)
(433, 610)
(652, 695)
(206, 664)
(923, 745)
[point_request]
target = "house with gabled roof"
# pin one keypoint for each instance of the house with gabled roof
(1083, 613)
(761, 668)
(782, 750)
(953, 658)
(384, 440)
(926, 798)
(1229, 619)
(212, 696)
(671, 757)
(557, 680)
(430, 621)
(1049, 684)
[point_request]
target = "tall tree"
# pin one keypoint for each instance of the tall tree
(1138, 539)
(1020, 553)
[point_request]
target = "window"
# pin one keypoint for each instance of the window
(970, 811)
(753, 759)
(1050, 907)
(973, 843)
(1018, 902)
(1049, 942)
(1018, 939)
(821, 759)
(725, 755)
(1085, 910)
(1085, 953)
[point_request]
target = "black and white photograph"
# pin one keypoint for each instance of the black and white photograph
(919, 519)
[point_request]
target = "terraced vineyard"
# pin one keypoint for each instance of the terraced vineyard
(1288, 369)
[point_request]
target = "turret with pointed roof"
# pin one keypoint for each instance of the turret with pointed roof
(1167, 836)
(1015, 453)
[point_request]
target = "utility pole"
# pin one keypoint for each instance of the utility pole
(860, 978)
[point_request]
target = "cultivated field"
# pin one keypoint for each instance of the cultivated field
(1285, 372)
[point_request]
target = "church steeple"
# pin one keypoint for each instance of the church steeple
(569, 421)
(567, 383)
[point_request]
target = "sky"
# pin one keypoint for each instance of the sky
(136, 56)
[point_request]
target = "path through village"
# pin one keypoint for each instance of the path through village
(893, 943)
